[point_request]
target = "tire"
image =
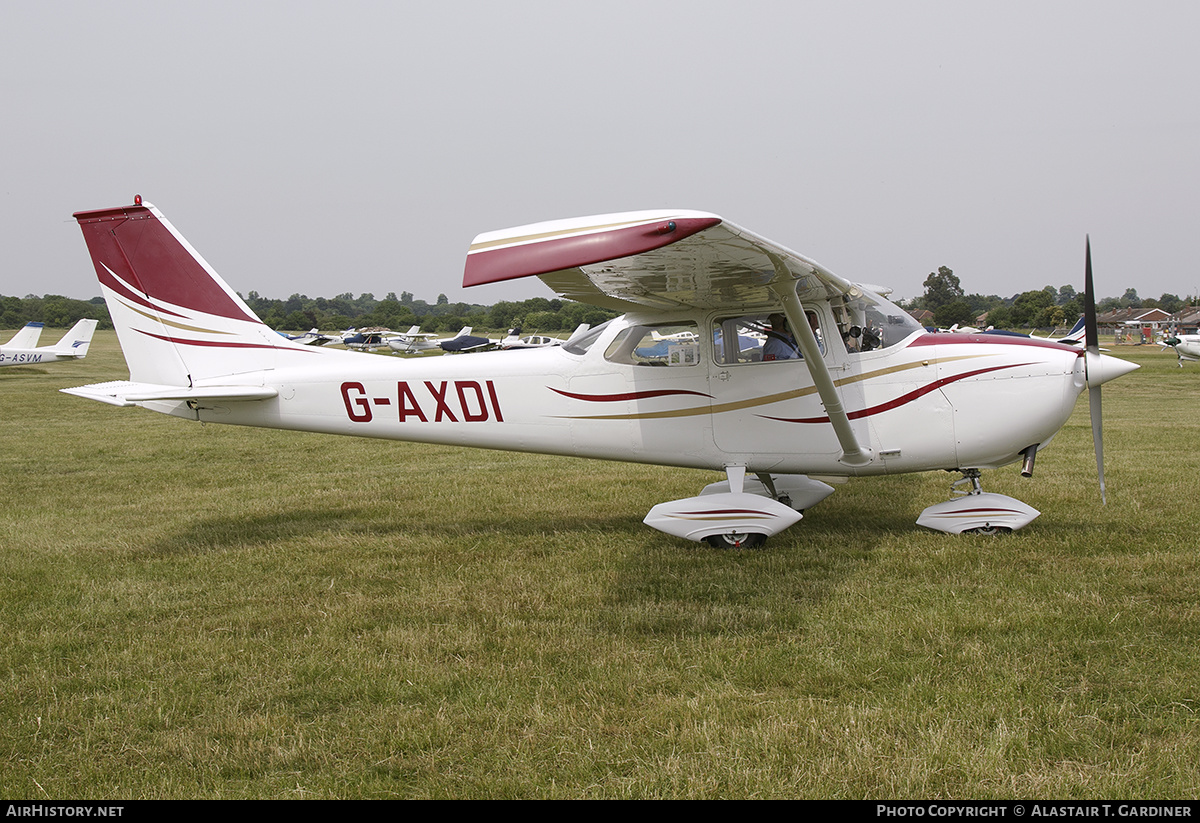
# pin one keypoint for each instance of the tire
(989, 530)
(737, 540)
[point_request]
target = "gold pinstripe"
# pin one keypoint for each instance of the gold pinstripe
(792, 394)
(170, 323)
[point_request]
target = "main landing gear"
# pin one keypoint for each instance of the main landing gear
(974, 511)
(739, 512)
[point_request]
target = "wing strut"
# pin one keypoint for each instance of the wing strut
(784, 285)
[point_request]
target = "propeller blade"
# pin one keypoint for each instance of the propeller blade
(1090, 330)
(1092, 364)
(1097, 436)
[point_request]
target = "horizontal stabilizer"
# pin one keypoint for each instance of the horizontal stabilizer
(126, 393)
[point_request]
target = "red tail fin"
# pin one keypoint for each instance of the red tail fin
(177, 320)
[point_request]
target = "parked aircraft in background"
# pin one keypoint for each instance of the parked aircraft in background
(412, 341)
(1075, 337)
(415, 341)
(514, 340)
(902, 400)
(366, 339)
(464, 341)
(1187, 346)
(26, 337)
(72, 346)
(312, 338)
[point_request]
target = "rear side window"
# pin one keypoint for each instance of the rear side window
(668, 344)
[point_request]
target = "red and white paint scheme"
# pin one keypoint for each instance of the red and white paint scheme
(680, 379)
(23, 350)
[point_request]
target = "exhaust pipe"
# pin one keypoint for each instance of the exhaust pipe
(1027, 464)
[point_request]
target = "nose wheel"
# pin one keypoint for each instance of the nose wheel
(974, 511)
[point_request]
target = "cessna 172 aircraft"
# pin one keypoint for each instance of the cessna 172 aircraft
(680, 379)
(412, 341)
(73, 345)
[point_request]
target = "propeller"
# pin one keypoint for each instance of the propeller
(1092, 364)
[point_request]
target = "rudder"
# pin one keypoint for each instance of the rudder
(177, 321)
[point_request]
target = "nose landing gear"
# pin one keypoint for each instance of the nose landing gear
(974, 511)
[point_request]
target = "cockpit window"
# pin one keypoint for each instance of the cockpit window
(667, 344)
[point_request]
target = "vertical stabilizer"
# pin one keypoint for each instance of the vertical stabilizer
(75, 343)
(26, 338)
(178, 322)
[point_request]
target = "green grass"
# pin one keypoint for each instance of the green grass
(212, 612)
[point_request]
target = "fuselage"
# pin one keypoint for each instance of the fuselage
(925, 402)
(1187, 346)
(28, 357)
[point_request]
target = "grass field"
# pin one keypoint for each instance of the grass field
(211, 612)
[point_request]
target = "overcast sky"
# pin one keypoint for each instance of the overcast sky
(321, 148)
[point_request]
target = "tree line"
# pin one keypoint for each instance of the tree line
(54, 310)
(944, 297)
(1045, 308)
(301, 313)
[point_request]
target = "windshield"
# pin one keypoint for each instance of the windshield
(869, 321)
(581, 341)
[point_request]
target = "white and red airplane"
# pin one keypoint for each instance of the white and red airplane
(681, 379)
(23, 350)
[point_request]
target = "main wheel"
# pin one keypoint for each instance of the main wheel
(736, 540)
(989, 530)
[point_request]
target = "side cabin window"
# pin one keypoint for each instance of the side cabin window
(656, 344)
(763, 337)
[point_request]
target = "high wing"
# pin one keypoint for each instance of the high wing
(649, 259)
(671, 260)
